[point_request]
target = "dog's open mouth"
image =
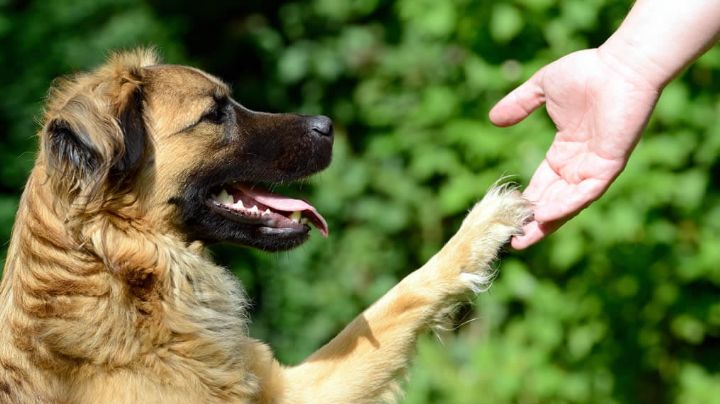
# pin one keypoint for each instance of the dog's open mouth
(272, 213)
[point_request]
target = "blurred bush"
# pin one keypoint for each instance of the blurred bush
(620, 306)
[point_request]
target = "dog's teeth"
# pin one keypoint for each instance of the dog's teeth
(267, 212)
(239, 204)
(254, 209)
(304, 220)
(225, 198)
(295, 217)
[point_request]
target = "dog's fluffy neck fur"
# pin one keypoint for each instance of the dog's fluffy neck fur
(121, 299)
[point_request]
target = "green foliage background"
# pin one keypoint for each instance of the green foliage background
(620, 306)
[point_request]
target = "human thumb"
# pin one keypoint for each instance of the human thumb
(519, 103)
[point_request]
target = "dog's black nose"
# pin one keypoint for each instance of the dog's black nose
(321, 125)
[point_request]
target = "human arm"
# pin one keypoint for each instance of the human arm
(600, 100)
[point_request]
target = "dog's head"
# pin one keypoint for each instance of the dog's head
(167, 146)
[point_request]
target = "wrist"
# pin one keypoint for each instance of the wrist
(659, 38)
(628, 58)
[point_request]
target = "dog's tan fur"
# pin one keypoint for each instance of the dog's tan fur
(102, 301)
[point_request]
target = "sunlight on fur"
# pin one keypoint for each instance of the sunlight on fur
(108, 293)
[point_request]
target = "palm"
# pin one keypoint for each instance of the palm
(599, 114)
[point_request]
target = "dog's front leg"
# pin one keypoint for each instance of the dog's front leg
(362, 364)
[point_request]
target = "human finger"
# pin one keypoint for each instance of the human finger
(562, 200)
(533, 232)
(541, 180)
(519, 103)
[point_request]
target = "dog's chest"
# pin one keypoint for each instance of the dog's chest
(206, 330)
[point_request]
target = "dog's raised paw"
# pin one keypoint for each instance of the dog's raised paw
(503, 211)
(489, 225)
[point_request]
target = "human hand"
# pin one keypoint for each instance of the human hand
(600, 111)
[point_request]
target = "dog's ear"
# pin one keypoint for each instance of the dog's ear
(129, 110)
(70, 149)
(97, 137)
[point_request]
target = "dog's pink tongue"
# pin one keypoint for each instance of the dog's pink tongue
(285, 204)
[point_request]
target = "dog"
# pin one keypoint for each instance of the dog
(108, 294)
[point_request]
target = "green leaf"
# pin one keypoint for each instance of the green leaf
(506, 22)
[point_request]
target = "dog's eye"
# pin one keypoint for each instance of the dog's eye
(216, 115)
